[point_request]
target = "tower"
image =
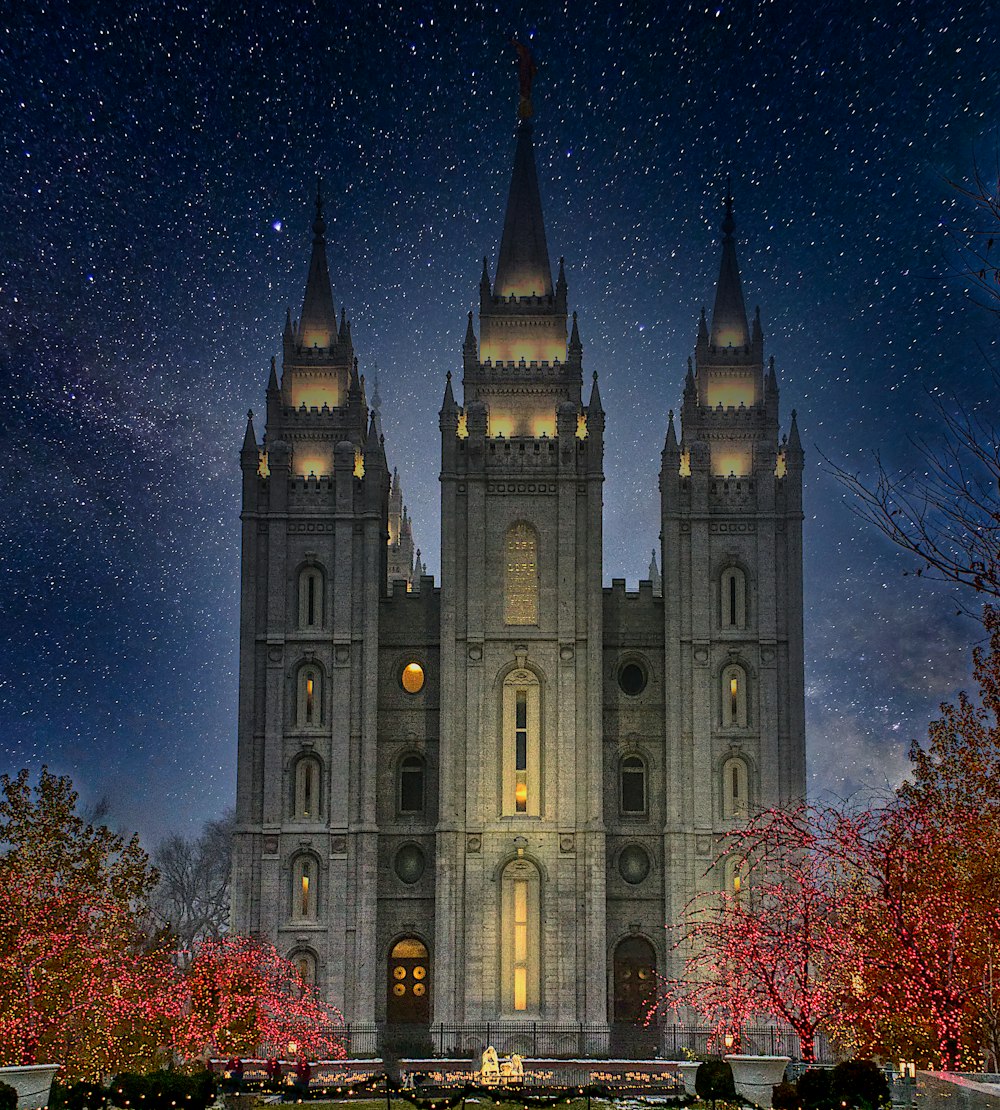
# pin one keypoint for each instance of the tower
(519, 905)
(731, 502)
(314, 531)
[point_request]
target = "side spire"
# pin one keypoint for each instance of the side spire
(729, 317)
(318, 326)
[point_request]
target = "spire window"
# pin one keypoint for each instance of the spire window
(733, 599)
(307, 789)
(521, 719)
(734, 697)
(632, 783)
(309, 710)
(735, 789)
(311, 598)
(305, 891)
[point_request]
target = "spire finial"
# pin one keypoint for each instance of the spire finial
(728, 223)
(526, 70)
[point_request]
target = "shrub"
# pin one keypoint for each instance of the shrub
(77, 1096)
(859, 1083)
(714, 1080)
(814, 1089)
(785, 1096)
(8, 1097)
(164, 1090)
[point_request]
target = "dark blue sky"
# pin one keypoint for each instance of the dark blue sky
(158, 165)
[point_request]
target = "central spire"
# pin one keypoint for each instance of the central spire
(523, 268)
(729, 317)
(318, 327)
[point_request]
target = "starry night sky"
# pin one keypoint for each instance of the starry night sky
(158, 168)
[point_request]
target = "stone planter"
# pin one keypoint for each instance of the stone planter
(32, 1083)
(687, 1071)
(754, 1076)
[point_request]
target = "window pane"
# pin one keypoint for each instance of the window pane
(522, 709)
(520, 988)
(411, 785)
(633, 786)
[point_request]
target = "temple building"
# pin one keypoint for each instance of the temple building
(480, 800)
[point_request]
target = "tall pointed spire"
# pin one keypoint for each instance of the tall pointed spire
(523, 268)
(729, 317)
(318, 326)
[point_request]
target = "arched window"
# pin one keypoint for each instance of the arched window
(520, 595)
(305, 965)
(311, 597)
(520, 938)
(735, 878)
(521, 743)
(411, 784)
(632, 780)
(306, 799)
(733, 598)
(735, 788)
(309, 710)
(734, 697)
(305, 890)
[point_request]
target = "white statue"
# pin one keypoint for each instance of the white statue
(490, 1071)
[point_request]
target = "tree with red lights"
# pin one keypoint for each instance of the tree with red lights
(81, 984)
(241, 995)
(756, 952)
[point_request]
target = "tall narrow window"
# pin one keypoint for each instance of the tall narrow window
(304, 890)
(521, 575)
(633, 785)
(734, 697)
(520, 746)
(310, 699)
(311, 598)
(520, 938)
(307, 789)
(411, 784)
(735, 788)
(521, 751)
(733, 598)
(305, 964)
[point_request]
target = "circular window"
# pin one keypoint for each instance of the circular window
(398, 989)
(412, 678)
(633, 864)
(632, 679)
(419, 989)
(399, 973)
(410, 863)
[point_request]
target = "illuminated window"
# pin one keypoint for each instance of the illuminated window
(521, 575)
(520, 938)
(733, 598)
(735, 791)
(633, 785)
(520, 713)
(307, 789)
(734, 697)
(305, 965)
(311, 598)
(304, 889)
(310, 700)
(411, 784)
(412, 678)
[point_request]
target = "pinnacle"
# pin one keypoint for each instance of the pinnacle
(523, 268)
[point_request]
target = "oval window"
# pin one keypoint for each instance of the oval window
(409, 863)
(633, 864)
(632, 679)
(413, 678)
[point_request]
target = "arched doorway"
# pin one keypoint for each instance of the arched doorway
(409, 983)
(634, 971)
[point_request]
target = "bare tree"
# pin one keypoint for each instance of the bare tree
(192, 899)
(946, 514)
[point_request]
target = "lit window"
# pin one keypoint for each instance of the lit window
(521, 746)
(734, 697)
(633, 785)
(305, 964)
(310, 700)
(412, 678)
(304, 893)
(520, 937)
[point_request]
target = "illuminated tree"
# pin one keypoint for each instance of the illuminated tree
(756, 952)
(80, 982)
(242, 996)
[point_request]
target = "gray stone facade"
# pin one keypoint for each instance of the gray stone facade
(482, 800)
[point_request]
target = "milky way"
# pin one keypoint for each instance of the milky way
(158, 165)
